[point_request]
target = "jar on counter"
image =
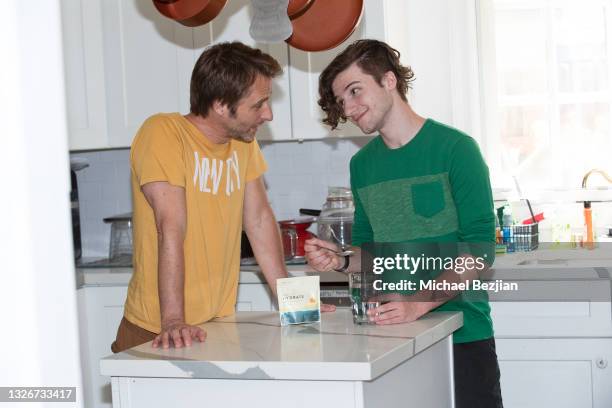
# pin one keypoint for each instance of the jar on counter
(335, 222)
(120, 245)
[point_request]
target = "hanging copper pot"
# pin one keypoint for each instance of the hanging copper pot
(297, 7)
(191, 13)
(325, 24)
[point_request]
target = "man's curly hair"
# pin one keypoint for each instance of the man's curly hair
(375, 58)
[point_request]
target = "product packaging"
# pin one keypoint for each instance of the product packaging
(298, 300)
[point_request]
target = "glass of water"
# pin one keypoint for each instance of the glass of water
(359, 304)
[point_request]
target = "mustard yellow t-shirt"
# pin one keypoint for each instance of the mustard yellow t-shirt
(170, 148)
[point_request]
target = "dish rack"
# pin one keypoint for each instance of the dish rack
(524, 238)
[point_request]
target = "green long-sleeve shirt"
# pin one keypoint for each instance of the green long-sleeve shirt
(435, 188)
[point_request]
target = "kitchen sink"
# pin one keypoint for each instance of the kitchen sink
(585, 263)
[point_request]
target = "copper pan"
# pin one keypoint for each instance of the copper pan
(297, 7)
(191, 13)
(325, 24)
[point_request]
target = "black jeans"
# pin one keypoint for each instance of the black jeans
(477, 375)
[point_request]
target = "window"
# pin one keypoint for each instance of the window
(546, 90)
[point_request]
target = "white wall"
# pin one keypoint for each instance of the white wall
(39, 343)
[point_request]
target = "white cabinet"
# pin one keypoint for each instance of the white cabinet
(254, 297)
(560, 373)
(84, 71)
(382, 20)
(146, 61)
(100, 311)
(125, 61)
(554, 354)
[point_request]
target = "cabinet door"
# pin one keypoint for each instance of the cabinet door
(84, 74)
(100, 311)
(379, 21)
(254, 297)
(146, 56)
(551, 319)
(233, 24)
(555, 372)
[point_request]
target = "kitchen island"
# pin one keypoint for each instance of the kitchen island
(250, 360)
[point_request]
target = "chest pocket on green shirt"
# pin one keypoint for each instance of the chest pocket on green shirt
(428, 198)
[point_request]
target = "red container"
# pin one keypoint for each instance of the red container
(300, 225)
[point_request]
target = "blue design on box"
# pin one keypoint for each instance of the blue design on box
(303, 316)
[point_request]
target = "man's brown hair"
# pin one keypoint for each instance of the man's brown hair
(375, 58)
(225, 72)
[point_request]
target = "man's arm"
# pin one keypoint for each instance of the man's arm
(170, 211)
(261, 228)
(322, 258)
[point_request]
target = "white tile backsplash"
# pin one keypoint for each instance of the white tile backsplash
(104, 190)
(298, 176)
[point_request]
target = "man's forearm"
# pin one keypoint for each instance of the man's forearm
(171, 278)
(265, 240)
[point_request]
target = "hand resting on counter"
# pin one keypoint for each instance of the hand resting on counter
(178, 334)
(400, 312)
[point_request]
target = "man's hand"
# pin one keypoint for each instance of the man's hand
(327, 308)
(320, 255)
(178, 334)
(400, 312)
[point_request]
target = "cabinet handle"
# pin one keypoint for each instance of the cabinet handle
(601, 362)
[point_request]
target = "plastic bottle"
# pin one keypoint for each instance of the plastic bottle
(507, 223)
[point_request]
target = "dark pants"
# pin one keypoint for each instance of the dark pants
(477, 375)
(129, 335)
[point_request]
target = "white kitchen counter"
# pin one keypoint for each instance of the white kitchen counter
(550, 257)
(250, 360)
(253, 345)
(248, 274)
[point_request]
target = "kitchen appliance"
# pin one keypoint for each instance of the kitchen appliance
(335, 223)
(120, 245)
(300, 225)
(76, 164)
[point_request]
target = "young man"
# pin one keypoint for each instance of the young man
(196, 183)
(418, 181)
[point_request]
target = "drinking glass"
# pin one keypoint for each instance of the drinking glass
(359, 304)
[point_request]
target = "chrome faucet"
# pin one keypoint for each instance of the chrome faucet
(600, 172)
(588, 220)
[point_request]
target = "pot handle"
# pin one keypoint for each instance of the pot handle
(289, 240)
(307, 211)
